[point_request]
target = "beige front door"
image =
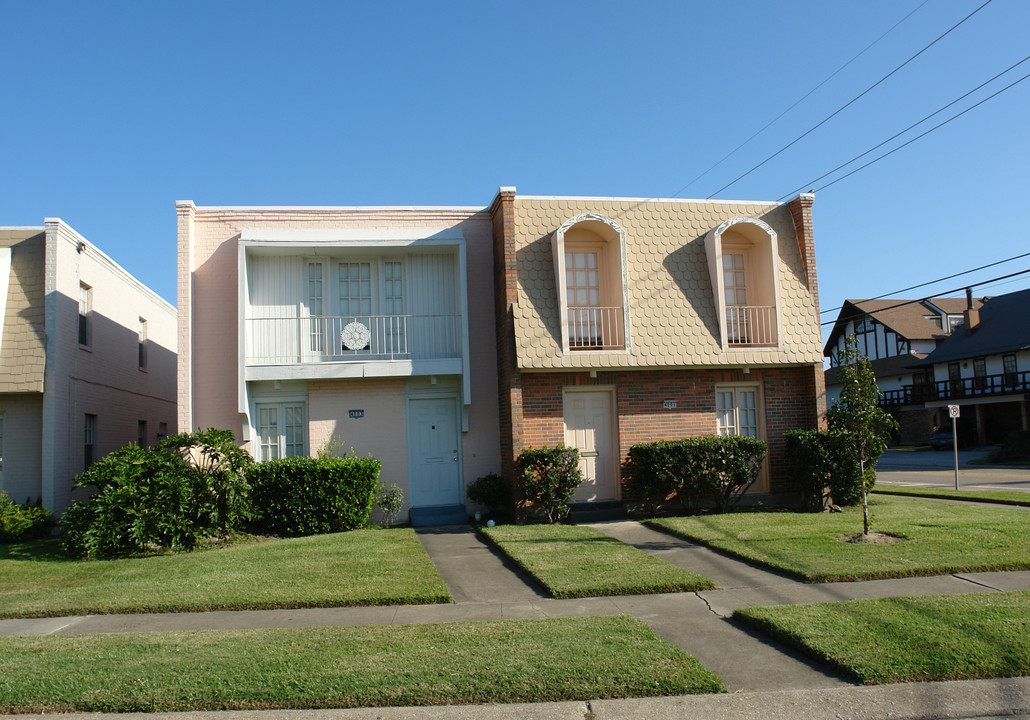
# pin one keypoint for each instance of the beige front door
(589, 429)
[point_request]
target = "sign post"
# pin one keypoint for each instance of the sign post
(953, 411)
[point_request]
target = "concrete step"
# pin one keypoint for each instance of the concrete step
(597, 512)
(438, 516)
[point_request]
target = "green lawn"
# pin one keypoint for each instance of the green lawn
(1003, 497)
(908, 639)
(573, 561)
(940, 538)
(362, 567)
(477, 662)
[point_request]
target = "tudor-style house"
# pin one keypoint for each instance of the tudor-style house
(87, 361)
(894, 334)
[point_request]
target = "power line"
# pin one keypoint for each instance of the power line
(850, 102)
(810, 183)
(922, 135)
(801, 100)
(929, 297)
(932, 282)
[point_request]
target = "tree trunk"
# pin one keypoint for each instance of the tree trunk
(865, 498)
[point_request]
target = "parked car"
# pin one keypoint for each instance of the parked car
(943, 440)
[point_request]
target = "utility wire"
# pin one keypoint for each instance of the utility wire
(810, 183)
(930, 297)
(829, 77)
(922, 135)
(932, 282)
(850, 102)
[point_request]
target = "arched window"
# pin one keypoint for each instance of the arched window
(590, 270)
(743, 260)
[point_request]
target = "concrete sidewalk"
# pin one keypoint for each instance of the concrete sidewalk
(768, 680)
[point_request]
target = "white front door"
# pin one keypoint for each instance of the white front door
(588, 428)
(435, 467)
(737, 413)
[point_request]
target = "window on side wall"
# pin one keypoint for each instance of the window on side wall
(142, 344)
(85, 315)
(980, 373)
(89, 440)
(162, 431)
(1, 451)
(281, 430)
(141, 433)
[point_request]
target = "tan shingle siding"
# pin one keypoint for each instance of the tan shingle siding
(674, 321)
(24, 342)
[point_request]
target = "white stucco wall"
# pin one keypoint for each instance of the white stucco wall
(103, 379)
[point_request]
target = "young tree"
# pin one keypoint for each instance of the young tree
(857, 421)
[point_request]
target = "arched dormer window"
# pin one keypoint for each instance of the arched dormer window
(589, 253)
(743, 260)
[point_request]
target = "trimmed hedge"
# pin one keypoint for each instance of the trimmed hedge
(310, 496)
(24, 522)
(548, 478)
(722, 467)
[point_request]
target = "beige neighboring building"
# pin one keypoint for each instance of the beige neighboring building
(87, 361)
(370, 327)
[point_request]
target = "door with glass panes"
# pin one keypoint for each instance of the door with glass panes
(280, 430)
(738, 413)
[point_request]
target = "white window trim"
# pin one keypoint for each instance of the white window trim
(762, 483)
(714, 251)
(558, 254)
(280, 404)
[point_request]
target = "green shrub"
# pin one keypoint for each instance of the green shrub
(548, 477)
(24, 522)
(390, 501)
(811, 466)
(188, 489)
(723, 467)
(309, 496)
(653, 471)
(489, 491)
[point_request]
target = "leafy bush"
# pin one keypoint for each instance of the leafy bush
(1015, 447)
(309, 496)
(692, 468)
(489, 491)
(24, 522)
(390, 501)
(190, 488)
(811, 466)
(548, 478)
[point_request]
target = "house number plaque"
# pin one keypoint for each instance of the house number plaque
(668, 404)
(356, 413)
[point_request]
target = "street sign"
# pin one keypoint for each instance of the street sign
(953, 411)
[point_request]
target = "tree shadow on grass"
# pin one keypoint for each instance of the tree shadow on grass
(48, 550)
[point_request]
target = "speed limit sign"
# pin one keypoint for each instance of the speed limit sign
(953, 411)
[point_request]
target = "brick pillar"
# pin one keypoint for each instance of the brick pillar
(186, 213)
(801, 212)
(509, 379)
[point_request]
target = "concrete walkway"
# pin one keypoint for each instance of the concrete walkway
(767, 679)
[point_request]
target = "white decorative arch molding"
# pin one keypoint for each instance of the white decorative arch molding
(764, 242)
(617, 243)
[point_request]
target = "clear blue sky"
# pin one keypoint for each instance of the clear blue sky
(113, 111)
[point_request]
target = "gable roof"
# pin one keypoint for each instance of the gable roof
(907, 318)
(673, 315)
(1004, 327)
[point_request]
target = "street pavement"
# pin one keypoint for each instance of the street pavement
(765, 679)
(930, 468)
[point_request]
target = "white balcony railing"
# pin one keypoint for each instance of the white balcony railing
(751, 326)
(596, 328)
(343, 338)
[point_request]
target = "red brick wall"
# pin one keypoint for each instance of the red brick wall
(509, 390)
(789, 402)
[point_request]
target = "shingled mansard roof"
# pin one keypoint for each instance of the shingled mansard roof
(674, 320)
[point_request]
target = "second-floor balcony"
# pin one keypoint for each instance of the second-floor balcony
(751, 326)
(964, 388)
(596, 328)
(350, 338)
